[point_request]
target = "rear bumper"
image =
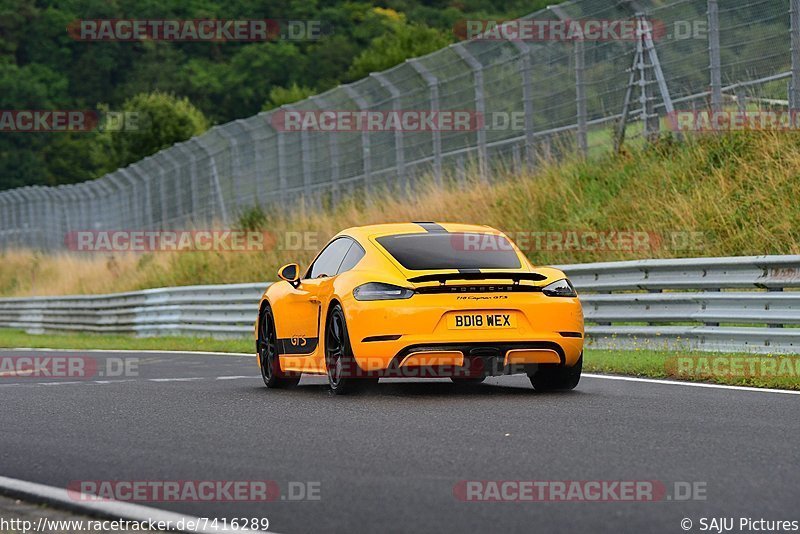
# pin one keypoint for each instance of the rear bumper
(472, 359)
(384, 333)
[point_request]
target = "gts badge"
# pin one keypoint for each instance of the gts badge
(299, 341)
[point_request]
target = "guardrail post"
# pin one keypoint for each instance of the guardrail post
(433, 88)
(715, 63)
(773, 289)
(366, 155)
(399, 151)
(480, 108)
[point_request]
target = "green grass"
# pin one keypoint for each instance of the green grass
(10, 338)
(663, 364)
(711, 195)
(645, 363)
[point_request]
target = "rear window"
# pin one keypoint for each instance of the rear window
(459, 250)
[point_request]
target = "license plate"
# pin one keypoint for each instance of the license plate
(481, 321)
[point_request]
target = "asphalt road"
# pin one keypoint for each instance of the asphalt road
(388, 461)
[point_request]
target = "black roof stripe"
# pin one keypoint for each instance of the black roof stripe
(432, 227)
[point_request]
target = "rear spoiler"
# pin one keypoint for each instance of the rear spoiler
(444, 277)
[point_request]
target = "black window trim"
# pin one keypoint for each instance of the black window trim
(363, 253)
(307, 274)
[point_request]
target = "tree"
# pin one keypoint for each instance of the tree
(280, 96)
(153, 121)
(402, 41)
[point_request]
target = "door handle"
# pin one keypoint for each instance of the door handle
(313, 300)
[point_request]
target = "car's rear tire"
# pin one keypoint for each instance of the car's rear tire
(344, 375)
(267, 345)
(550, 377)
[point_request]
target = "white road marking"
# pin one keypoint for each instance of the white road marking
(107, 382)
(590, 375)
(690, 384)
(234, 377)
(59, 497)
(190, 379)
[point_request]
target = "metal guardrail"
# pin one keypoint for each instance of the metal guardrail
(714, 304)
(191, 310)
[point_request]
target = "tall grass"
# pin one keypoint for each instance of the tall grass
(736, 194)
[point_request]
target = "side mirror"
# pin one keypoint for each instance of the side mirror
(290, 273)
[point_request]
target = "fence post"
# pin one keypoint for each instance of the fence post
(283, 184)
(123, 208)
(214, 178)
(4, 221)
(715, 63)
(135, 198)
(189, 165)
(480, 107)
(433, 87)
(399, 151)
(794, 15)
(104, 198)
(179, 204)
(39, 216)
(146, 211)
(250, 127)
(305, 157)
(236, 171)
(580, 85)
(365, 140)
(527, 99)
(333, 153)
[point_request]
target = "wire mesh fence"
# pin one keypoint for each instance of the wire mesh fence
(536, 99)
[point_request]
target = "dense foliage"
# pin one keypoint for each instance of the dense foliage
(42, 67)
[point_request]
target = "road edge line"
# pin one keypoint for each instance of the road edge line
(59, 498)
(690, 384)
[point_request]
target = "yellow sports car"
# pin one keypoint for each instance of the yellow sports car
(420, 300)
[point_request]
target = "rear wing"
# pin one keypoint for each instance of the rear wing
(442, 278)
